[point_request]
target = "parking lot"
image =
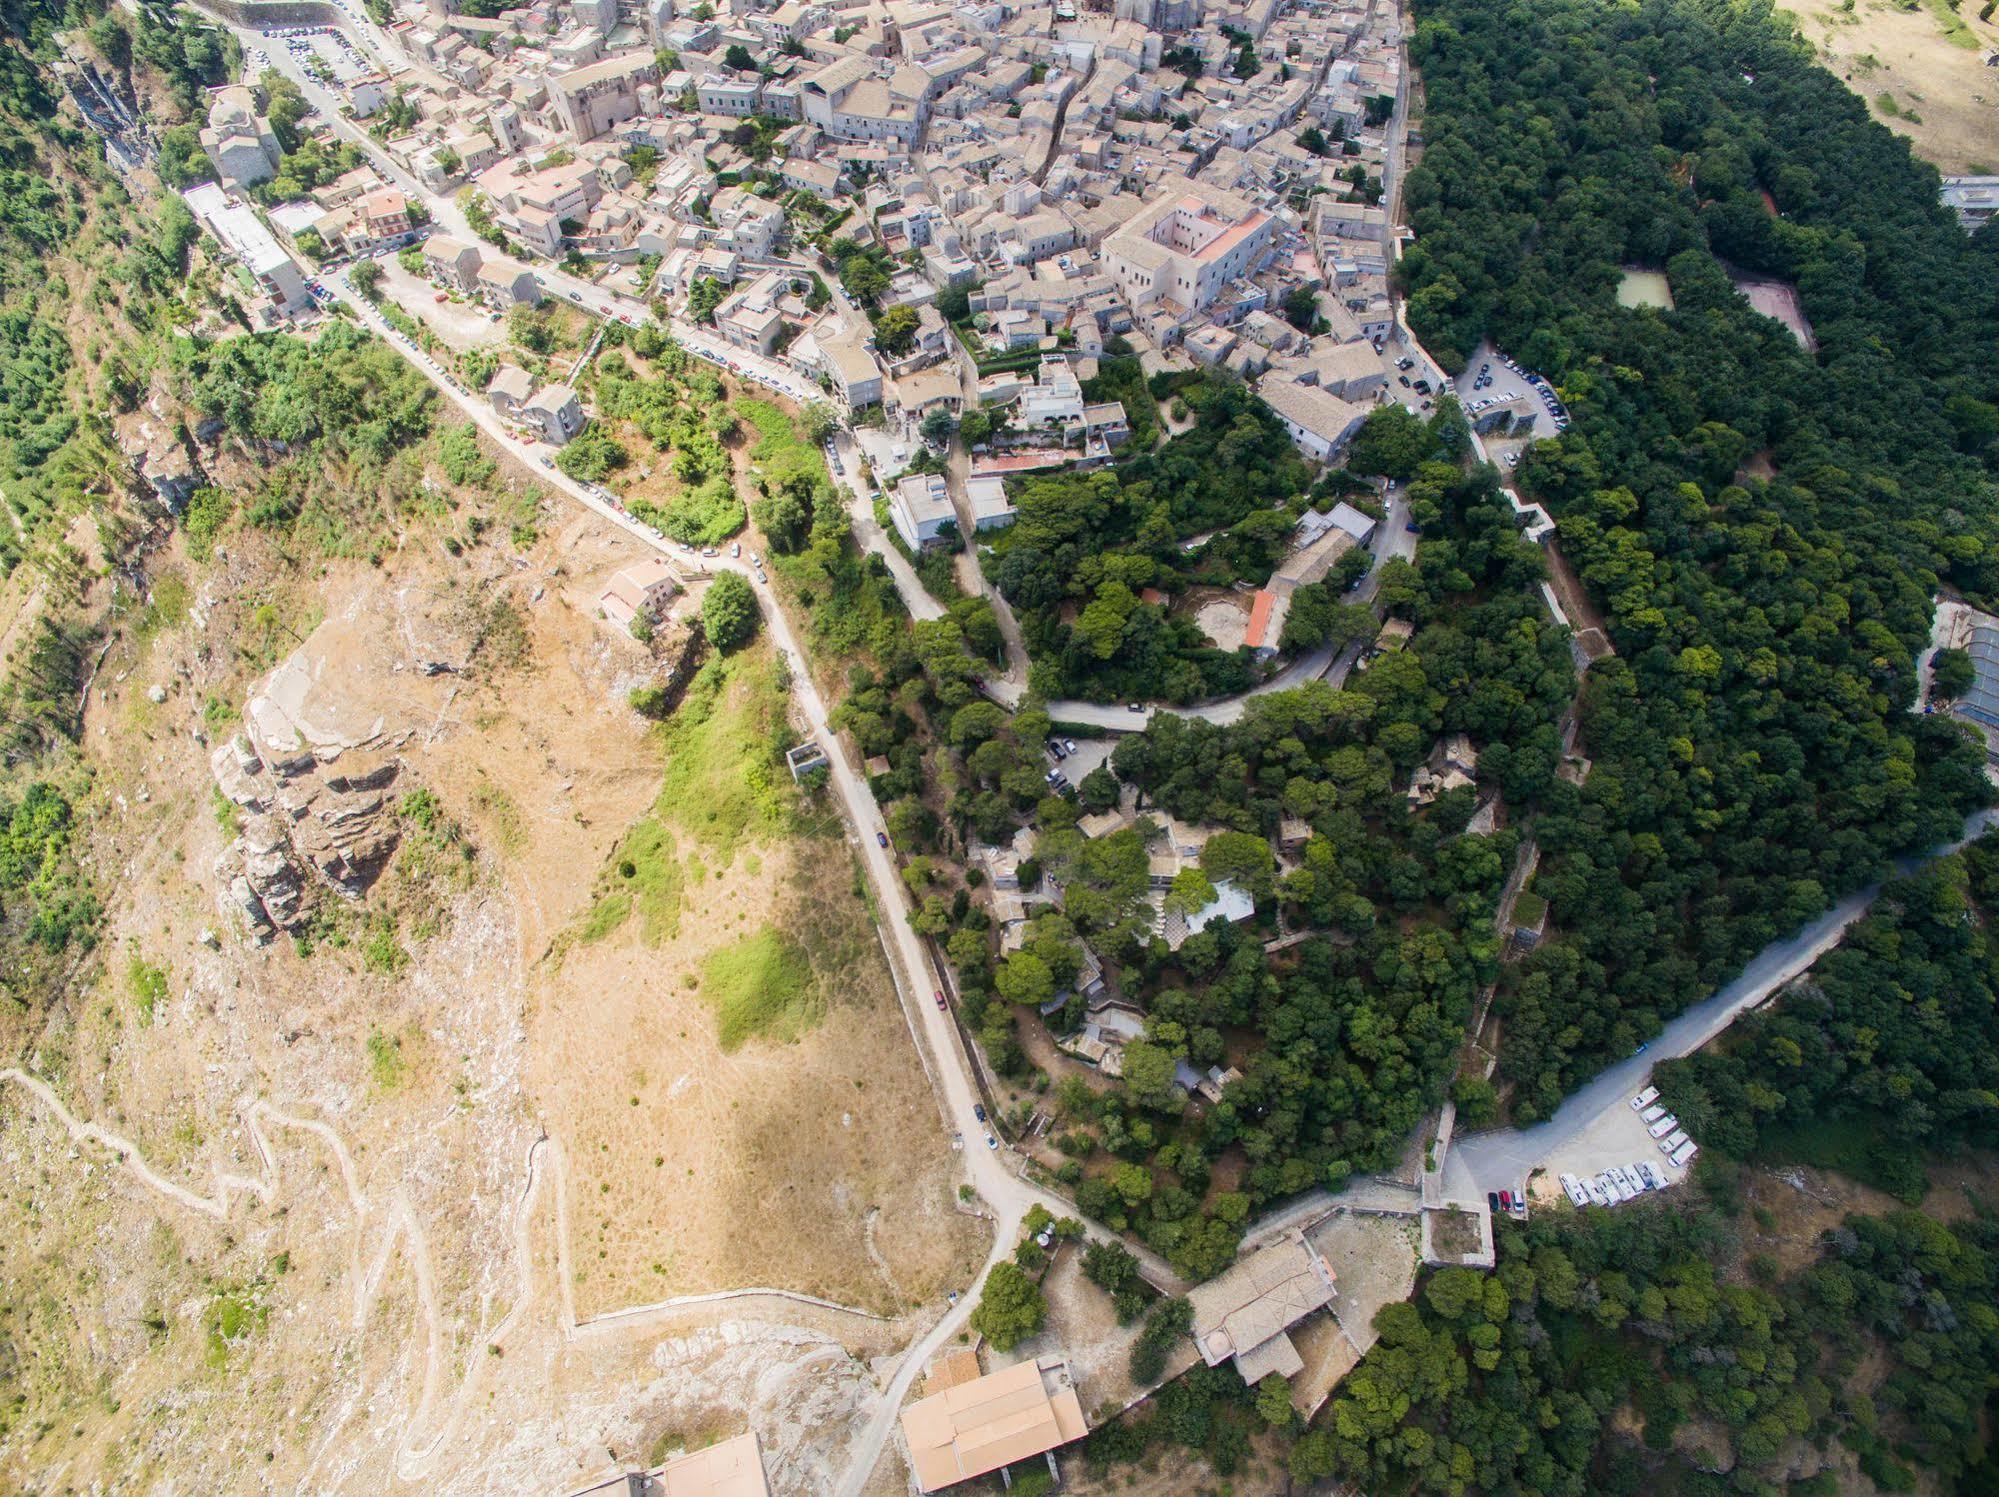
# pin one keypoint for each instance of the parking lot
(1088, 754)
(1395, 353)
(1618, 1136)
(326, 52)
(461, 324)
(1488, 381)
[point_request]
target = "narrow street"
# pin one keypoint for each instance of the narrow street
(1494, 1160)
(992, 1171)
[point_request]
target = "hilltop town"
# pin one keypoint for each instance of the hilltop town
(870, 747)
(918, 209)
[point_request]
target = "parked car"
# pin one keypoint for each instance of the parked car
(1506, 1200)
(1492, 1200)
(882, 838)
(1069, 744)
(991, 1142)
(1134, 706)
(941, 1005)
(979, 1111)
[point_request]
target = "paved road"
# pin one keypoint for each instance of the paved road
(1006, 1194)
(869, 535)
(1501, 1160)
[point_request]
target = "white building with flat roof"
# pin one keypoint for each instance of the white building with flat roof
(986, 494)
(920, 506)
(237, 228)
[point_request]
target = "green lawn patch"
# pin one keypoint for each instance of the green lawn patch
(761, 987)
(1859, 1148)
(149, 987)
(644, 877)
(1951, 24)
(725, 779)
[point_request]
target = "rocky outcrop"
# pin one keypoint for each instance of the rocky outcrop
(304, 822)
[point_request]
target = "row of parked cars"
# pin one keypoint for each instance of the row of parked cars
(1665, 1129)
(735, 368)
(1616, 1185)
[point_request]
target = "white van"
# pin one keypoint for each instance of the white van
(1671, 1142)
(1653, 1113)
(1662, 1126)
(1684, 1155)
(1645, 1098)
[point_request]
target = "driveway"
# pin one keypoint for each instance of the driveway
(1589, 1123)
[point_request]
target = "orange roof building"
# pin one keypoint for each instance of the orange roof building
(1261, 606)
(730, 1468)
(733, 1468)
(984, 1423)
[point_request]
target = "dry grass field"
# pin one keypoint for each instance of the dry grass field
(1920, 64)
(718, 1043)
(292, 1217)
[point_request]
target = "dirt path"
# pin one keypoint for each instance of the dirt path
(1575, 600)
(429, 1428)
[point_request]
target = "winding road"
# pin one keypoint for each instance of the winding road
(1473, 1166)
(992, 1171)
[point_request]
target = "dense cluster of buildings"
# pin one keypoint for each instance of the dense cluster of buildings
(1198, 178)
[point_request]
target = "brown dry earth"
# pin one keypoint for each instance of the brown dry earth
(301, 1227)
(1880, 49)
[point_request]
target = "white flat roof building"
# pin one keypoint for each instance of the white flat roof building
(237, 227)
(920, 506)
(991, 509)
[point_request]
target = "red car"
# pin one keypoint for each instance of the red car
(1506, 1200)
(940, 998)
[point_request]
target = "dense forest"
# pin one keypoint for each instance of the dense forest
(1886, 1051)
(1657, 1349)
(1762, 525)
(1639, 1351)
(1209, 506)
